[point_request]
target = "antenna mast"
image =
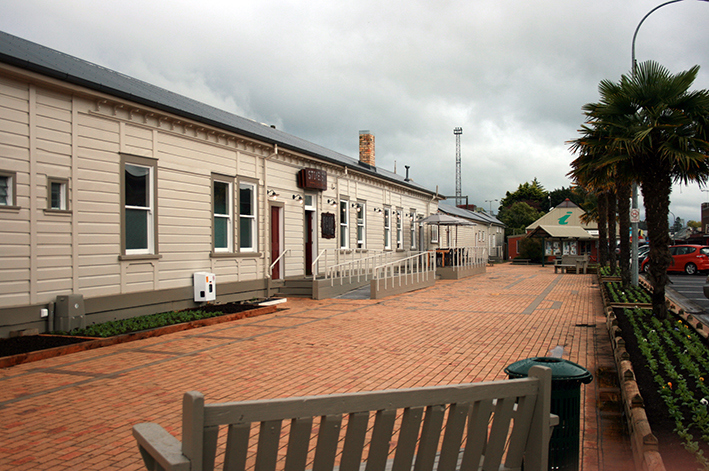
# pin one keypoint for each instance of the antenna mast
(458, 190)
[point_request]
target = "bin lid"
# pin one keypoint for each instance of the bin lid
(561, 370)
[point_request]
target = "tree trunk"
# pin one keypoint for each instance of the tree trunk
(624, 225)
(612, 231)
(656, 187)
(602, 229)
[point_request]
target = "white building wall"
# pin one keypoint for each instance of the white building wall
(78, 136)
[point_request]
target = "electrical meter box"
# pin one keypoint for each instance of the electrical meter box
(69, 313)
(205, 288)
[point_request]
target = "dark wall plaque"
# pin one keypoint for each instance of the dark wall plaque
(312, 179)
(327, 222)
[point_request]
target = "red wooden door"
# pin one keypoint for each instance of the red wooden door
(275, 242)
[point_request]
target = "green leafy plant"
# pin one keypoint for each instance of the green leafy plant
(136, 324)
(628, 295)
(679, 362)
(606, 271)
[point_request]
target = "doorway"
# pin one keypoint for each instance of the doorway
(310, 231)
(276, 241)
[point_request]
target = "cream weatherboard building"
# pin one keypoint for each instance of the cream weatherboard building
(114, 193)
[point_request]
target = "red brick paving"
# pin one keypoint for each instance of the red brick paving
(75, 412)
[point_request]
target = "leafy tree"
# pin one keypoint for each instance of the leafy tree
(517, 217)
(657, 130)
(533, 194)
(558, 196)
(694, 224)
(531, 249)
(677, 226)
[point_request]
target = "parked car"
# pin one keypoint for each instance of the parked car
(690, 259)
(643, 252)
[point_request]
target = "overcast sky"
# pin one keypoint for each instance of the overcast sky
(513, 74)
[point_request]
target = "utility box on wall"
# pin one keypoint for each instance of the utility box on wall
(205, 288)
(69, 313)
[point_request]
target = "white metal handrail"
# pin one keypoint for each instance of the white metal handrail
(331, 257)
(414, 269)
(361, 269)
(462, 257)
(281, 256)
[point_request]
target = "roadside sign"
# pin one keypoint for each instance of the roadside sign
(634, 215)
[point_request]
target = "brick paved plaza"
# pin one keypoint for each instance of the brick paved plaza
(75, 412)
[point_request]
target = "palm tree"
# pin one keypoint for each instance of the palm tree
(595, 165)
(658, 131)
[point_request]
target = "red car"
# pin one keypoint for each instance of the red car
(690, 259)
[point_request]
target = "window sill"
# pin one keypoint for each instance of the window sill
(10, 208)
(147, 256)
(235, 255)
(57, 212)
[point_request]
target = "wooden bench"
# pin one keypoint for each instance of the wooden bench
(460, 427)
(577, 262)
(521, 261)
(563, 267)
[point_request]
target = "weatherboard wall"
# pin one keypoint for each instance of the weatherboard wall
(53, 130)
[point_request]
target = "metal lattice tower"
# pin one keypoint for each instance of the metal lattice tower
(458, 189)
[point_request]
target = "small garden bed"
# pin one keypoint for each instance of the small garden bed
(23, 349)
(606, 272)
(152, 321)
(631, 296)
(671, 364)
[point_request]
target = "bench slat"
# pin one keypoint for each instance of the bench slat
(328, 437)
(408, 436)
(381, 435)
(430, 434)
(498, 434)
(209, 445)
(269, 437)
(354, 441)
(520, 434)
(452, 440)
(477, 435)
(237, 444)
(298, 442)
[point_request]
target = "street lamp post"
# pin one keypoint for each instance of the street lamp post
(490, 201)
(634, 225)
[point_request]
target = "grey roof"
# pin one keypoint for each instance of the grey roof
(467, 214)
(43, 60)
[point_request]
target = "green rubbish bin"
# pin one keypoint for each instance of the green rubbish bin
(566, 379)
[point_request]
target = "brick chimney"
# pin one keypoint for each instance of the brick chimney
(366, 147)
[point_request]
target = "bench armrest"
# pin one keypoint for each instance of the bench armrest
(157, 446)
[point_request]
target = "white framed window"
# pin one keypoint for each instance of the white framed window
(139, 207)
(57, 194)
(344, 224)
(247, 217)
(399, 230)
(414, 222)
(7, 188)
(360, 207)
(387, 228)
(223, 215)
(434, 234)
